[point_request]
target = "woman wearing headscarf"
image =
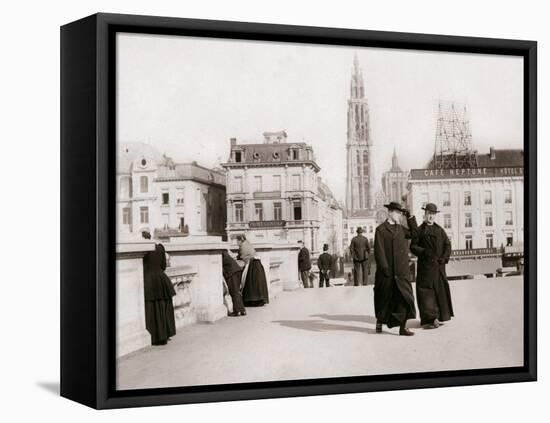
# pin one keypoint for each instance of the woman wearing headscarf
(159, 310)
(253, 281)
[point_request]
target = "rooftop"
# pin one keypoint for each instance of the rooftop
(271, 151)
(186, 171)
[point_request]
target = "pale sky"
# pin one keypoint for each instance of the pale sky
(188, 96)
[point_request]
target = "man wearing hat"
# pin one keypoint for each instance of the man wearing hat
(393, 294)
(432, 247)
(359, 250)
(324, 262)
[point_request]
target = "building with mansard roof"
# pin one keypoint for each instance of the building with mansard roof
(274, 193)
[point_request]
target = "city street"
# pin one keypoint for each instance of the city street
(331, 333)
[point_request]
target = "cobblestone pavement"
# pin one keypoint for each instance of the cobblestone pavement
(330, 333)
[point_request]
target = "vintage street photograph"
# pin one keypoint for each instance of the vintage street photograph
(293, 211)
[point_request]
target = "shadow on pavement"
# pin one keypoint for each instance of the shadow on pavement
(320, 326)
(347, 317)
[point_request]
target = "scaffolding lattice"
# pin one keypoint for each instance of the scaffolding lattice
(453, 138)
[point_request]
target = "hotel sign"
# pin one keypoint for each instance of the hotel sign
(267, 223)
(477, 172)
(474, 252)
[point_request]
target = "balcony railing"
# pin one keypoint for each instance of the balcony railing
(171, 232)
(267, 194)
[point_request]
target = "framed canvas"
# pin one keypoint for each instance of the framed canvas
(258, 211)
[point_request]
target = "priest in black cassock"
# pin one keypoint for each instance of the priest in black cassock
(432, 247)
(393, 293)
(159, 310)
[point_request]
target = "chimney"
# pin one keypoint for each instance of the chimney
(233, 141)
(493, 153)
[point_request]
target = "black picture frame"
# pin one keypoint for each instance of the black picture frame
(88, 220)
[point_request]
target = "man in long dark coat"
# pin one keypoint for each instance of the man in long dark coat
(304, 265)
(232, 275)
(433, 249)
(359, 250)
(393, 293)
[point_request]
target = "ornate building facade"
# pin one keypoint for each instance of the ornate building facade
(481, 206)
(360, 186)
(274, 194)
(165, 198)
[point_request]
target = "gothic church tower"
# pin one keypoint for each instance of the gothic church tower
(360, 176)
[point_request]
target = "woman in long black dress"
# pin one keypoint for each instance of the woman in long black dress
(159, 310)
(253, 282)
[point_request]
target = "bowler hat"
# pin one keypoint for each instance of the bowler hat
(394, 206)
(359, 230)
(430, 207)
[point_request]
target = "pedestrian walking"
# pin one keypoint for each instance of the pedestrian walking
(393, 294)
(232, 275)
(304, 265)
(253, 281)
(432, 247)
(359, 250)
(160, 320)
(324, 262)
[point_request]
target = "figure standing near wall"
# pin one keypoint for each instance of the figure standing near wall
(160, 320)
(253, 281)
(232, 275)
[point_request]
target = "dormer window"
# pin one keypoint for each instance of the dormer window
(294, 154)
(238, 156)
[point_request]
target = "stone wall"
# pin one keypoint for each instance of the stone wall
(195, 269)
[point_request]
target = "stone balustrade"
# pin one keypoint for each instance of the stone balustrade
(195, 269)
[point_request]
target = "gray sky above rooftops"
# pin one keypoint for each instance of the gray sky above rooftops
(188, 96)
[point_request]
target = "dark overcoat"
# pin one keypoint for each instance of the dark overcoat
(359, 248)
(229, 266)
(433, 249)
(158, 289)
(392, 282)
(304, 260)
(157, 286)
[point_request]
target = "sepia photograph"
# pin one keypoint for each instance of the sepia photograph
(293, 211)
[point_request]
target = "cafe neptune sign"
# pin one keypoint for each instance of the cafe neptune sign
(478, 172)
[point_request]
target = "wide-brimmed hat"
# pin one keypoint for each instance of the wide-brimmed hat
(430, 207)
(393, 205)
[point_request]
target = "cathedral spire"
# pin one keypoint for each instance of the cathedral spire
(394, 162)
(360, 178)
(356, 87)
